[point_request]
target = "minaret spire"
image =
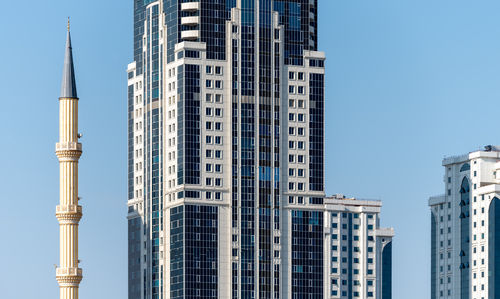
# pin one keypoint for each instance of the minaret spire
(68, 212)
(68, 86)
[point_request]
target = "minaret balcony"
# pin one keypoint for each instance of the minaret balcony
(69, 277)
(69, 209)
(68, 146)
(190, 6)
(68, 271)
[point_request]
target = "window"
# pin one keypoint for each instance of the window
(208, 195)
(218, 182)
(208, 153)
(300, 186)
(218, 126)
(300, 158)
(218, 154)
(208, 111)
(291, 158)
(300, 144)
(291, 89)
(208, 84)
(291, 103)
(300, 131)
(301, 104)
(300, 172)
(209, 69)
(192, 54)
(291, 144)
(291, 171)
(208, 167)
(291, 75)
(218, 140)
(208, 181)
(208, 97)
(218, 70)
(218, 98)
(290, 199)
(217, 195)
(208, 139)
(290, 186)
(208, 125)
(218, 168)
(218, 112)
(301, 89)
(301, 117)
(301, 76)
(291, 130)
(218, 84)
(291, 116)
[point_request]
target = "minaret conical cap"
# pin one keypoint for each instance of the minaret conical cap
(68, 85)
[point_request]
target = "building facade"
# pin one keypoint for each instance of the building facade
(226, 151)
(358, 252)
(463, 221)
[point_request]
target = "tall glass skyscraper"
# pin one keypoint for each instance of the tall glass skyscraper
(226, 151)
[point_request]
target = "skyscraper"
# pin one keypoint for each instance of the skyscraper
(226, 151)
(464, 238)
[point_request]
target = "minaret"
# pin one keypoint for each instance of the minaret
(68, 212)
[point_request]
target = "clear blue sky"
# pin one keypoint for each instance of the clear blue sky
(408, 82)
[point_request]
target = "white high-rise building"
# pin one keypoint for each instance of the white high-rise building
(463, 235)
(358, 252)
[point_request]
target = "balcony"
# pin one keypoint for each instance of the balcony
(68, 146)
(68, 209)
(68, 272)
(190, 35)
(190, 21)
(190, 6)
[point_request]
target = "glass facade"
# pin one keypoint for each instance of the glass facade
(189, 125)
(464, 239)
(172, 22)
(493, 253)
(177, 252)
(433, 255)
(307, 254)
(387, 271)
(316, 131)
(134, 257)
(299, 18)
(194, 254)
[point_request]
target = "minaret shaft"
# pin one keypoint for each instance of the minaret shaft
(68, 212)
(69, 187)
(69, 246)
(68, 120)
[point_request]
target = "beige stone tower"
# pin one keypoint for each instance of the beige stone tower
(68, 212)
